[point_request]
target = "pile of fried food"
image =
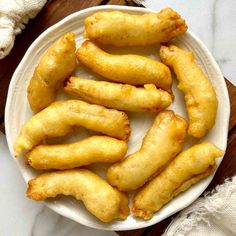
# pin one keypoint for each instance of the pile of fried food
(160, 170)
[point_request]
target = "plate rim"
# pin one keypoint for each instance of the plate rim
(29, 51)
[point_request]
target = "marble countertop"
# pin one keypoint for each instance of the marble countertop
(214, 22)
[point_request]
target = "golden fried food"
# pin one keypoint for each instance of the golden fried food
(200, 97)
(163, 141)
(54, 67)
(87, 151)
(123, 29)
(130, 69)
(120, 96)
(189, 167)
(61, 117)
(103, 201)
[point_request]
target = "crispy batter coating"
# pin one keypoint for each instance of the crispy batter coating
(200, 97)
(61, 117)
(130, 69)
(54, 67)
(103, 201)
(120, 96)
(189, 167)
(87, 151)
(123, 29)
(163, 141)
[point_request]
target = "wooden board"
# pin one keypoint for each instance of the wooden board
(56, 10)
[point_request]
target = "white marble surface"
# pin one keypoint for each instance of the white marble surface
(20, 216)
(214, 22)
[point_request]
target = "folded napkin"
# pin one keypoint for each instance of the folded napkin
(213, 215)
(14, 14)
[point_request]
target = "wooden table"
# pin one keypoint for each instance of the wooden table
(56, 10)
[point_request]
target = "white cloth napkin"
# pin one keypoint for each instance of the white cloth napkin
(14, 14)
(213, 215)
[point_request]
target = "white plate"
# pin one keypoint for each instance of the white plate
(18, 112)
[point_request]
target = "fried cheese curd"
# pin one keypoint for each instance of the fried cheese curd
(61, 117)
(199, 94)
(87, 151)
(56, 65)
(129, 69)
(100, 199)
(122, 29)
(163, 141)
(119, 96)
